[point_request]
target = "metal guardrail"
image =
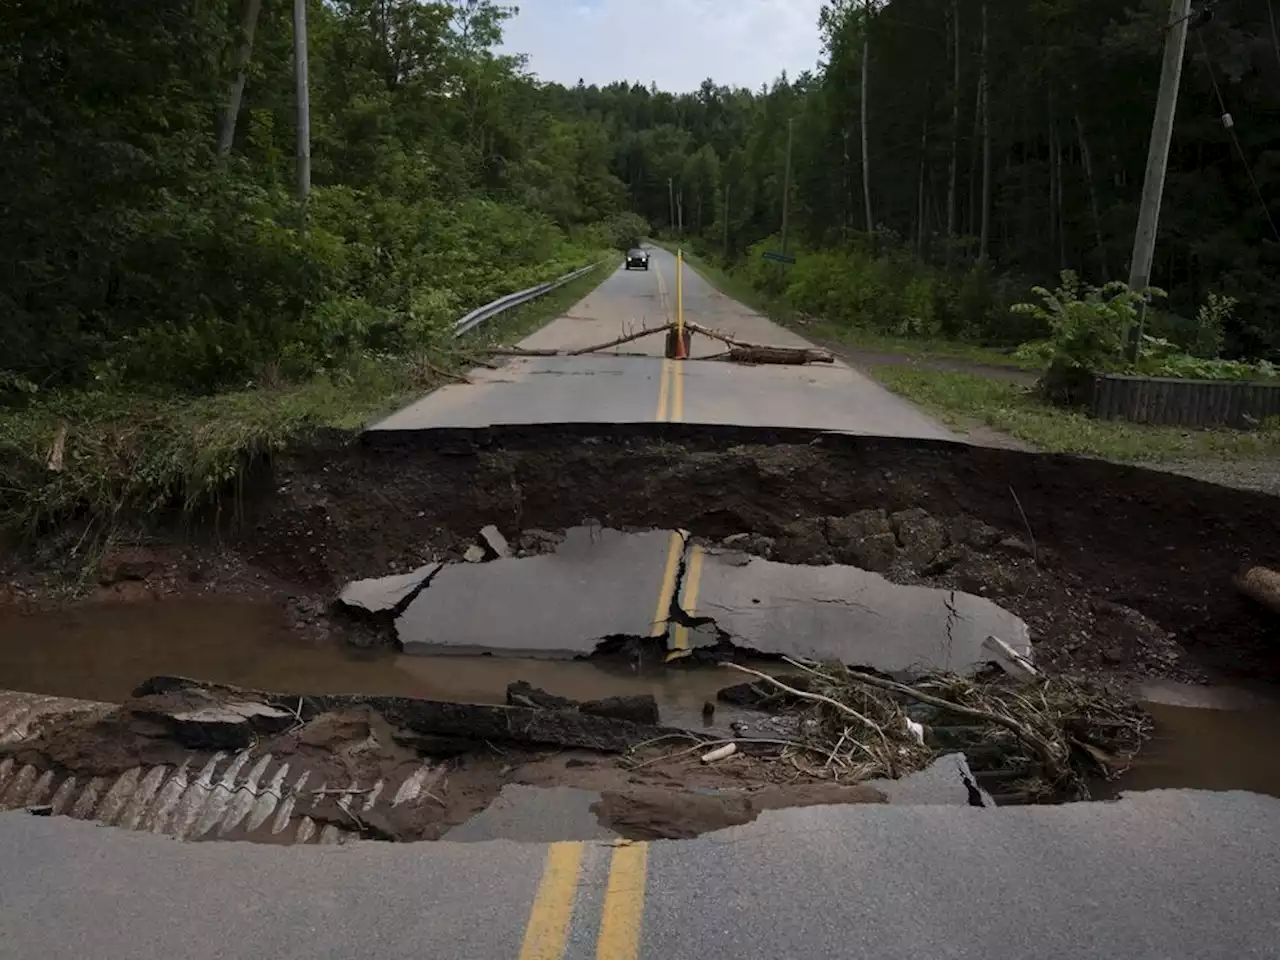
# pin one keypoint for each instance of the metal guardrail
(1184, 403)
(490, 310)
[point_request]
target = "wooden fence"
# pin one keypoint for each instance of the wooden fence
(1186, 403)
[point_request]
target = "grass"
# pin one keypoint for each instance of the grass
(126, 455)
(961, 399)
(855, 337)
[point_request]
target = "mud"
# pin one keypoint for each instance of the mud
(654, 814)
(1117, 570)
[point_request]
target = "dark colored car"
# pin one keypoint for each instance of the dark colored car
(638, 258)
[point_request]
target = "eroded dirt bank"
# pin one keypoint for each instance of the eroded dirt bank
(1116, 569)
(1112, 566)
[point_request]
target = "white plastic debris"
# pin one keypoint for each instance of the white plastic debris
(916, 730)
(1008, 659)
(720, 753)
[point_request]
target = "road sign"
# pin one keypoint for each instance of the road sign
(779, 257)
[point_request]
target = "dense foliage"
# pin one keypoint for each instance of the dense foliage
(131, 253)
(1006, 142)
(988, 171)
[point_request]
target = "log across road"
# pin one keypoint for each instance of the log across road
(636, 384)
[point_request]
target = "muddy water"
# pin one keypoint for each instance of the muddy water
(1208, 739)
(103, 651)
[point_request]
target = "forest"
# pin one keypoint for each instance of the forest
(945, 156)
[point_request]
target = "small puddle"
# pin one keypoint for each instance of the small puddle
(103, 651)
(1206, 739)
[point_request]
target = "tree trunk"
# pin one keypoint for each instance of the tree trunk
(248, 26)
(955, 132)
(984, 84)
(1086, 159)
(866, 161)
(920, 205)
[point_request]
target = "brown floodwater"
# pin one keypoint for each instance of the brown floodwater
(1205, 738)
(103, 651)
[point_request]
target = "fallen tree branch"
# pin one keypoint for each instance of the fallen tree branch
(594, 348)
(639, 334)
(741, 351)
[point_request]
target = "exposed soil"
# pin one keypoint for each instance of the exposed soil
(655, 814)
(1117, 569)
(649, 796)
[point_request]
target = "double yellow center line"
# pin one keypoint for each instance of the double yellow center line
(621, 920)
(671, 389)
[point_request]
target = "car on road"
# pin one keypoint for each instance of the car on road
(638, 258)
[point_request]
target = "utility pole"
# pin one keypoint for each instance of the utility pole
(304, 98)
(786, 189)
(1144, 241)
(671, 201)
(227, 135)
(680, 211)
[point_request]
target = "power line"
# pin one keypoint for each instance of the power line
(1230, 126)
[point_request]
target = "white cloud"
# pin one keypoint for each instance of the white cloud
(674, 43)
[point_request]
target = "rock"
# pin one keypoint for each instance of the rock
(384, 594)
(1017, 546)
(950, 557)
(1113, 654)
(863, 539)
(804, 543)
(987, 577)
(856, 526)
(972, 532)
(126, 571)
(494, 542)
(875, 553)
(922, 537)
(753, 543)
(474, 554)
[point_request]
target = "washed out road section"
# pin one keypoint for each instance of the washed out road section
(850, 615)
(599, 584)
(634, 384)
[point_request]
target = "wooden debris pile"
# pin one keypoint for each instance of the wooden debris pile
(1045, 739)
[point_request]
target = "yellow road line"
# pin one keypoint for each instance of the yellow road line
(623, 915)
(664, 393)
(547, 932)
(688, 603)
(662, 613)
(677, 391)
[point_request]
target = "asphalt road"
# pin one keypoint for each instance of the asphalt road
(635, 384)
(1169, 874)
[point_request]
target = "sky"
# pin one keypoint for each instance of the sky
(674, 43)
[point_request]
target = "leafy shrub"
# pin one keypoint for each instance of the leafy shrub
(1087, 327)
(1160, 358)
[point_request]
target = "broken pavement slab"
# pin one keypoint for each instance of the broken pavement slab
(597, 584)
(850, 615)
(386, 594)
